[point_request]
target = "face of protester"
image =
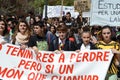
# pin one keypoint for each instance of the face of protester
(2, 26)
(106, 34)
(37, 30)
(22, 27)
(37, 19)
(62, 35)
(68, 16)
(2, 17)
(86, 38)
(31, 21)
(10, 24)
(52, 29)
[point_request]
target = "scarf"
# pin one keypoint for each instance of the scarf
(22, 39)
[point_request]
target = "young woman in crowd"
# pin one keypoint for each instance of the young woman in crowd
(38, 40)
(32, 22)
(4, 36)
(79, 20)
(86, 44)
(107, 43)
(22, 34)
(51, 34)
(95, 30)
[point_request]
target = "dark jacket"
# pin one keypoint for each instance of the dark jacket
(92, 46)
(68, 46)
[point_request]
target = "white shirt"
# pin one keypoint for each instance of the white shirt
(61, 42)
(83, 47)
(2, 39)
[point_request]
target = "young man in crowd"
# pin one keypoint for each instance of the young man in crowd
(62, 42)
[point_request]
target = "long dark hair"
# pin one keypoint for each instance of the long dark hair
(106, 27)
(17, 30)
(5, 32)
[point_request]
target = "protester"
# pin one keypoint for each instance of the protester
(30, 14)
(2, 17)
(62, 42)
(86, 44)
(38, 40)
(38, 19)
(68, 20)
(32, 22)
(95, 30)
(11, 24)
(22, 34)
(107, 43)
(4, 36)
(51, 34)
(56, 22)
(79, 20)
(77, 35)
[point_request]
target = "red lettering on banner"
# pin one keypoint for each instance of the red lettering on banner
(14, 51)
(65, 69)
(99, 56)
(36, 76)
(51, 57)
(95, 77)
(30, 65)
(90, 56)
(54, 78)
(49, 68)
(89, 77)
(45, 57)
(11, 73)
(38, 57)
(62, 58)
(106, 55)
(80, 77)
(25, 54)
(9, 48)
(85, 56)
(72, 56)
(0, 46)
(79, 57)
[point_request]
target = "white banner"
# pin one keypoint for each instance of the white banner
(18, 64)
(105, 12)
(55, 11)
(86, 14)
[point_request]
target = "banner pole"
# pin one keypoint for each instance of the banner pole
(61, 10)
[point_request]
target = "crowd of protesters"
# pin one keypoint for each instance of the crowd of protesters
(68, 34)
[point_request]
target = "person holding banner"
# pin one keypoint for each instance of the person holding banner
(62, 42)
(4, 37)
(21, 35)
(107, 43)
(85, 44)
(38, 40)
